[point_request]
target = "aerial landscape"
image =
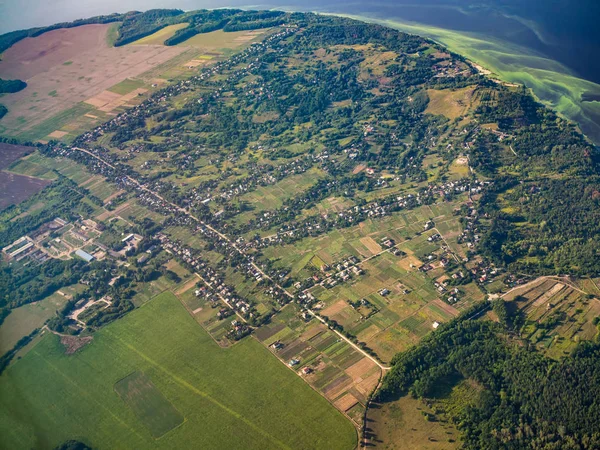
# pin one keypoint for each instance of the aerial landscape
(271, 228)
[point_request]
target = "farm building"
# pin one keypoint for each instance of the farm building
(84, 255)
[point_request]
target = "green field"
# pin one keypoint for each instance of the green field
(230, 398)
(126, 86)
(23, 320)
(55, 122)
(148, 404)
(161, 35)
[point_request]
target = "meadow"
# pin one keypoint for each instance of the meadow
(229, 398)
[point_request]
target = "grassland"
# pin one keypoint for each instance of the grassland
(25, 319)
(403, 424)
(239, 397)
(161, 35)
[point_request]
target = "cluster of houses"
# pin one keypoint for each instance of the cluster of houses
(214, 288)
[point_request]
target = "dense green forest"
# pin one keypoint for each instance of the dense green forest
(526, 401)
(544, 201)
(11, 86)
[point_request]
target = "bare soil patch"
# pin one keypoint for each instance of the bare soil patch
(15, 188)
(334, 309)
(370, 243)
(346, 402)
(358, 370)
(10, 153)
(74, 343)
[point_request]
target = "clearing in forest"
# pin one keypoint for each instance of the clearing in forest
(451, 103)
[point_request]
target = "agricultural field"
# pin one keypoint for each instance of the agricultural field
(330, 365)
(15, 187)
(161, 35)
(218, 392)
(558, 314)
(222, 42)
(69, 74)
(413, 302)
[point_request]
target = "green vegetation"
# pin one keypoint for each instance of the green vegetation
(126, 86)
(139, 25)
(24, 319)
(374, 184)
(11, 86)
(235, 397)
(148, 404)
(554, 84)
(519, 388)
(3, 111)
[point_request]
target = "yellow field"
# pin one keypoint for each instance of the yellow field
(220, 39)
(161, 35)
(450, 103)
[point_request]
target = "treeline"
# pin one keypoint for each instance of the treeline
(9, 355)
(527, 401)
(137, 26)
(229, 20)
(11, 38)
(19, 286)
(3, 111)
(62, 197)
(11, 86)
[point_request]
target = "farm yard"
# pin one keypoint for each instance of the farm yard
(178, 370)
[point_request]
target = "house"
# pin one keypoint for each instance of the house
(293, 362)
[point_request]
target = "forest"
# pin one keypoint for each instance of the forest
(517, 406)
(11, 86)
